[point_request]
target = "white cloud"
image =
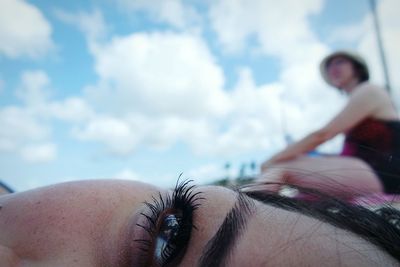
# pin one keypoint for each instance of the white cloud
(162, 87)
(27, 129)
(304, 103)
(35, 91)
(391, 39)
(19, 126)
(92, 24)
(159, 73)
(157, 88)
(24, 31)
(253, 123)
(206, 174)
(173, 12)
(39, 153)
(161, 180)
(72, 109)
(115, 133)
(22, 125)
(122, 135)
(235, 22)
(349, 33)
(128, 174)
(34, 88)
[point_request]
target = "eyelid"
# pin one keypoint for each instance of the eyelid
(129, 252)
(126, 253)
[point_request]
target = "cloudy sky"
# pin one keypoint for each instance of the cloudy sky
(149, 89)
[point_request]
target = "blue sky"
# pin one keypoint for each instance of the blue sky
(147, 90)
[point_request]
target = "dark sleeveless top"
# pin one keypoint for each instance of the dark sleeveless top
(377, 142)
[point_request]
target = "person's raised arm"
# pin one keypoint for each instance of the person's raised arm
(362, 104)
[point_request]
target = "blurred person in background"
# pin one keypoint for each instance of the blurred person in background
(370, 159)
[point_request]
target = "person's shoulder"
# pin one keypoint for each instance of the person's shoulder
(370, 90)
(367, 86)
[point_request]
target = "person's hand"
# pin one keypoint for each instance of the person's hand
(278, 158)
(268, 163)
(265, 165)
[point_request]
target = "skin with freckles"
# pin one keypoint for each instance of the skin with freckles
(93, 223)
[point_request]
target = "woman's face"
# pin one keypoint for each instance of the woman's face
(103, 223)
(341, 72)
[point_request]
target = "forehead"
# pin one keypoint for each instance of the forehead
(338, 59)
(277, 237)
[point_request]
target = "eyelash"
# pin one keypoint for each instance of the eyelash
(180, 205)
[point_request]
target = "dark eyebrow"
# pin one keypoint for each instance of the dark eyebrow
(218, 248)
